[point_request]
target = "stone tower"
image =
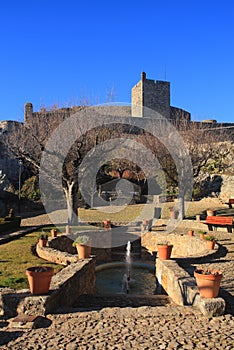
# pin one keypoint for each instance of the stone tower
(28, 112)
(152, 94)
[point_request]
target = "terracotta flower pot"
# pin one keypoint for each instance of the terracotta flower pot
(210, 244)
(210, 212)
(84, 251)
(174, 213)
(39, 278)
(208, 284)
(202, 235)
(53, 233)
(68, 230)
(191, 233)
(145, 222)
(107, 224)
(164, 251)
(42, 242)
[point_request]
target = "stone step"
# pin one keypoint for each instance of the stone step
(121, 300)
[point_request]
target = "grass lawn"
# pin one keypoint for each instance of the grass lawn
(132, 212)
(15, 257)
(126, 214)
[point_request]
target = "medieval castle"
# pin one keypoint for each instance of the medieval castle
(146, 93)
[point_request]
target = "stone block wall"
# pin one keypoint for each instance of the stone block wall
(182, 288)
(177, 114)
(66, 286)
(137, 100)
(62, 243)
(157, 96)
(56, 256)
(183, 244)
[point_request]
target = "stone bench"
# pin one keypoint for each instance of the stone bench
(230, 202)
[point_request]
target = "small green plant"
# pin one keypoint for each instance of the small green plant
(43, 236)
(208, 272)
(201, 232)
(164, 243)
(209, 238)
(81, 240)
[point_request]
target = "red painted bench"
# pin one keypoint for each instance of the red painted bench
(230, 202)
(215, 221)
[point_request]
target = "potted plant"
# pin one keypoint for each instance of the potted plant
(210, 212)
(68, 229)
(53, 233)
(107, 224)
(43, 239)
(164, 250)
(83, 249)
(208, 282)
(210, 241)
(144, 226)
(174, 213)
(202, 234)
(39, 278)
(191, 233)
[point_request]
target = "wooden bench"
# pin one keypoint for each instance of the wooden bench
(230, 202)
(215, 221)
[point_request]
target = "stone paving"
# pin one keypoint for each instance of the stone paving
(128, 328)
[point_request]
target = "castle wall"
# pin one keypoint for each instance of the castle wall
(9, 164)
(137, 100)
(154, 95)
(177, 114)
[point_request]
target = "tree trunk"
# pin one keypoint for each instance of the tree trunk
(71, 193)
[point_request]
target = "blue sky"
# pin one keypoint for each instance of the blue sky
(64, 51)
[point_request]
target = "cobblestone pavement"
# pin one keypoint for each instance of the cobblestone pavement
(128, 328)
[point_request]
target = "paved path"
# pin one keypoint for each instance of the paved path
(115, 328)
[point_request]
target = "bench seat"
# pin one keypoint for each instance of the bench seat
(215, 221)
(230, 202)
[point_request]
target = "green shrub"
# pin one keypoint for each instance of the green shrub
(9, 224)
(30, 189)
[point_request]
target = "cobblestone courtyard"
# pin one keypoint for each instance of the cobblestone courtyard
(128, 328)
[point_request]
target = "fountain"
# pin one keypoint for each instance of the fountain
(127, 276)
